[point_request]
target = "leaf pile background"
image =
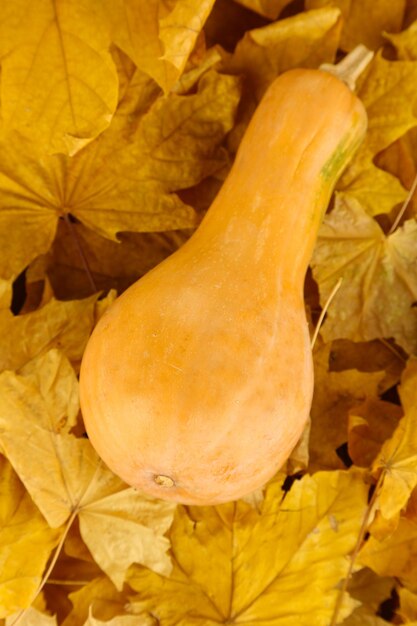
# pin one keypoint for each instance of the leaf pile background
(118, 123)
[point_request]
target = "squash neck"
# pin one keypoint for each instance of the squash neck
(274, 226)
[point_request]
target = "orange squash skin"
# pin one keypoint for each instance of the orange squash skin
(197, 383)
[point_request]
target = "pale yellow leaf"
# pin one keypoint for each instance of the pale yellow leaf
(53, 375)
(118, 525)
(63, 325)
(124, 528)
(26, 542)
(379, 285)
(122, 620)
(59, 82)
(32, 617)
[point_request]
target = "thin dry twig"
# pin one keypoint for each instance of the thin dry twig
(324, 311)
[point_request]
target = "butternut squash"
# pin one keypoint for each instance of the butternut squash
(197, 382)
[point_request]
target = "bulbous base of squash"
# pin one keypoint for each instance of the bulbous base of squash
(217, 488)
(195, 408)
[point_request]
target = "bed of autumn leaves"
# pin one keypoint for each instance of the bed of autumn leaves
(119, 121)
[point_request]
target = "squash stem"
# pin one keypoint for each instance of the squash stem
(351, 66)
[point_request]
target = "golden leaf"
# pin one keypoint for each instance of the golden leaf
(59, 82)
(227, 567)
(405, 43)
(371, 590)
(365, 21)
(370, 424)
(122, 620)
(367, 356)
(158, 36)
(379, 284)
(362, 617)
(396, 555)
(101, 597)
(112, 265)
(174, 144)
(398, 456)
(400, 160)
(26, 542)
(335, 394)
(376, 191)
(64, 325)
(408, 604)
(304, 40)
(268, 8)
(387, 91)
(5, 293)
(32, 617)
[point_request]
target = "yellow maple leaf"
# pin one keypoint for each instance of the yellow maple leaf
(280, 565)
(159, 36)
(371, 590)
(388, 93)
(398, 456)
(335, 394)
(63, 325)
(112, 265)
(304, 40)
(32, 617)
(365, 21)
(400, 159)
(26, 542)
(99, 596)
(173, 144)
(370, 424)
(71, 480)
(405, 42)
(396, 555)
(122, 620)
(59, 82)
(408, 605)
(6, 287)
(379, 285)
(367, 356)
